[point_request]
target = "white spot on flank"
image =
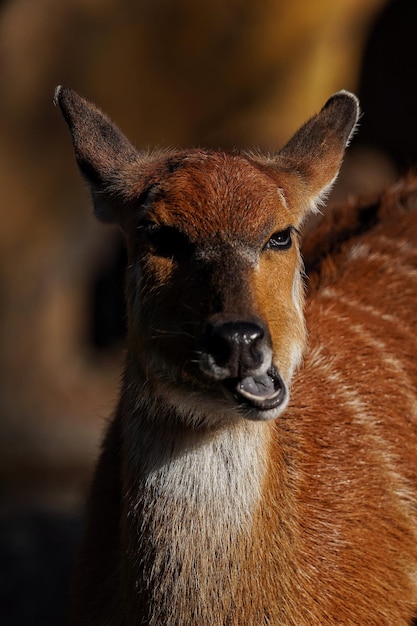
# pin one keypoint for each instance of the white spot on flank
(387, 261)
(360, 307)
(388, 361)
(332, 294)
(397, 246)
(359, 251)
(346, 395)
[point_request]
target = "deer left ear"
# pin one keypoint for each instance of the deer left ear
(103, 153)
(312, 158)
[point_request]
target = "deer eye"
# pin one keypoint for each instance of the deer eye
(167, 241)
(281, 240)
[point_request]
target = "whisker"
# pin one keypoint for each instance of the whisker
(190, 308)
(170, 333)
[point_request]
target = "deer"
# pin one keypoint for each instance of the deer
(260, 467)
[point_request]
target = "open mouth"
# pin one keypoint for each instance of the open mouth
(264, 392)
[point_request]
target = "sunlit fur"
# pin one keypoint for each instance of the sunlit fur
(208, 510)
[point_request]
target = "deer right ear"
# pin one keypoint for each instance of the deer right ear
(311, 160)
(103, 153)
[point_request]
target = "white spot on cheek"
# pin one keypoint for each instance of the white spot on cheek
(297, 293)
(282, 197)
(295, 360)
(298, 344)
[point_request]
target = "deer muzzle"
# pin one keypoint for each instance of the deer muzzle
(238, 354)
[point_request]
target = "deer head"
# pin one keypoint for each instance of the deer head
(214, 287)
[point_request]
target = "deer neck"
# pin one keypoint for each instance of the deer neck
(192, 498)
(222, 465)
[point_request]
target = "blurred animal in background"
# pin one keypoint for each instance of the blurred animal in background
(249, 476)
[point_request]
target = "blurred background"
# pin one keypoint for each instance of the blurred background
(218, 73)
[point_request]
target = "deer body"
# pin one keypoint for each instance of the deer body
(218, 500)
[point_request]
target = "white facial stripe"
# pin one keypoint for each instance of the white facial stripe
(298, 292)
(282, 197)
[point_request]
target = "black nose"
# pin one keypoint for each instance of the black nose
(235, 349)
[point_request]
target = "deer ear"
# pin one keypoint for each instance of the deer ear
(103, 153)
(315, 152)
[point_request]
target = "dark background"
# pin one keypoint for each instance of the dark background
(224, 73)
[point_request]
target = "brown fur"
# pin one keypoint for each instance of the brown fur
(206, 509)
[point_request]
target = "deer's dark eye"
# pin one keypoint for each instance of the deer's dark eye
(167, 241)
(281, 240)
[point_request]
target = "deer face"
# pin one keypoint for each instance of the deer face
(214, 284)
(214, 289)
